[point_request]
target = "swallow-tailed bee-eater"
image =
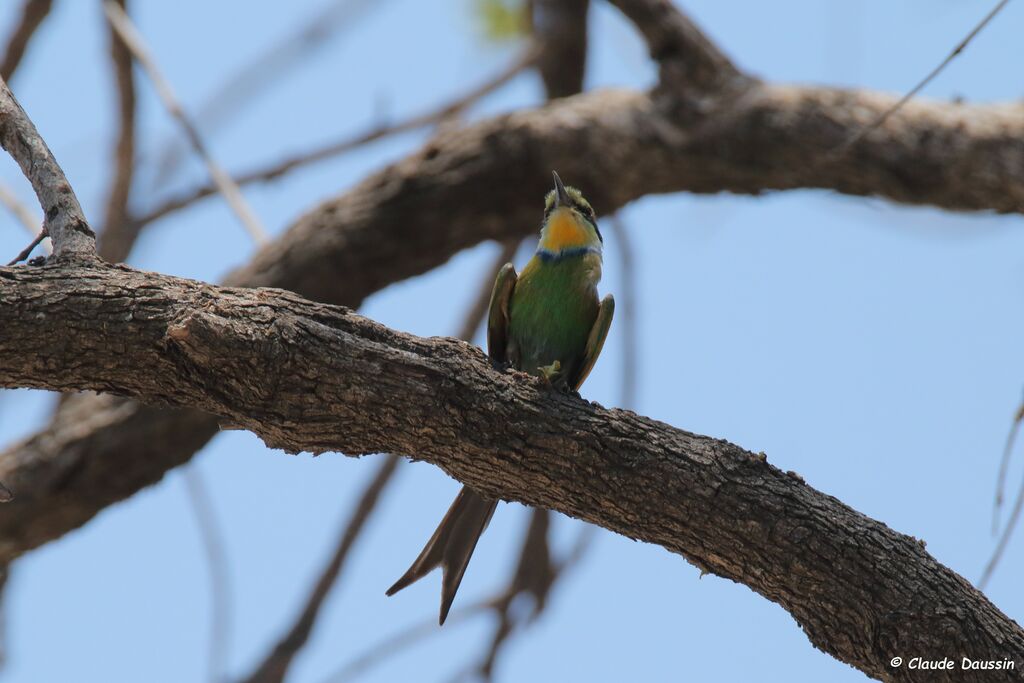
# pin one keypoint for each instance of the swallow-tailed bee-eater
(547, 322)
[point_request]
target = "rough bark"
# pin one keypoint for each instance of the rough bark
(63, 219)
(414, 215)
(313, 377)
(705, 129)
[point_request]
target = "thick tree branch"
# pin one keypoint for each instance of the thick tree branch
(313, 377)
(414, 215)
(484, 182)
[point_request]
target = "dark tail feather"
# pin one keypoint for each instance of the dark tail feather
(451, 546)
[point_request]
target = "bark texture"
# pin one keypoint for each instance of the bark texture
(706, 127)
(313, 377)
(413, 216)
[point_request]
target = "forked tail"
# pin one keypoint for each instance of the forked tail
(451, 546)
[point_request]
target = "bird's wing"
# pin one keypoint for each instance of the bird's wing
(497, 316)
(595, 342)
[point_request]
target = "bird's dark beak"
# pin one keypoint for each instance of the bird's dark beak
(561, 195)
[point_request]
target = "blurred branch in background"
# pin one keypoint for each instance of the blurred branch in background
(275, 170)
(33, 12)
(1011, 523)
(533, 577)
(215, 553)
(884, 116)
(115, 239)
(560, 29)
(1018, 504)
(277, 663)
(1004, 466)
(132, 39)
(33, 224)
(20, 211)
(497, 603)
(253, 79)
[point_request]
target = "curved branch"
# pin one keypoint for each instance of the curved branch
(619, 146)
(313, 377)
(483, 182)
(63, 220)
(414, 215)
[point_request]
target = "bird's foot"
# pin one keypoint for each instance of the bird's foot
(552, 373)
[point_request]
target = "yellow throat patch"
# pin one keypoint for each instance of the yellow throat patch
(564, 230)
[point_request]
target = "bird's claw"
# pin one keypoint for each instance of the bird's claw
(551, 372)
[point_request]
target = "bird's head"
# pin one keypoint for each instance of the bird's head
(569, 223)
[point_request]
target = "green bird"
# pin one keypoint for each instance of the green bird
(547, 322)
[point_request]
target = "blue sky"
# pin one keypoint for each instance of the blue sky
(871, 347)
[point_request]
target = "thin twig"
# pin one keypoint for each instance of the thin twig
(217, 564)
(244, 84)
(1011, 523)
(1004, 466)
(223, 182)
(32, 14)
(117, 236)
(275, 666)
(280, 168)
(24, 253)
(406, 638)
(884, 116)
